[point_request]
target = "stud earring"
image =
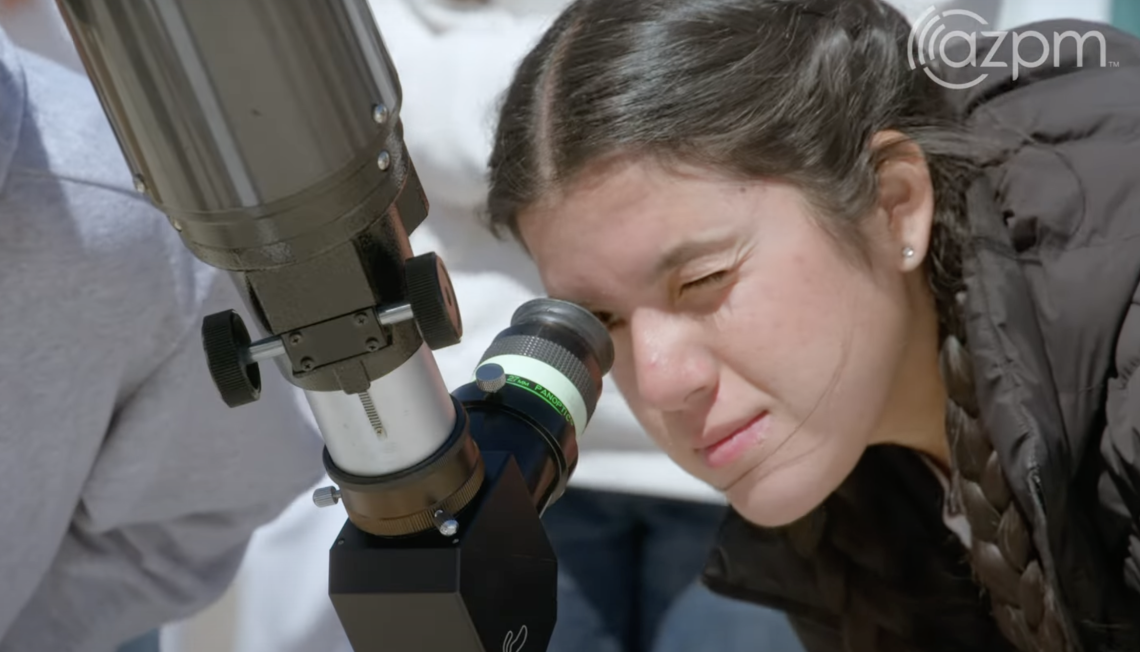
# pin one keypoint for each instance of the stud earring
(908, 252)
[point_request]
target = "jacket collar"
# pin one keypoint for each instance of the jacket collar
(12, 105)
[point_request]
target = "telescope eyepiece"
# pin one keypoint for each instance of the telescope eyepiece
(575, 319)
(558, 350)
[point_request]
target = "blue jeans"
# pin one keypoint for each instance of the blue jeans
(148, 642)
(628, 580)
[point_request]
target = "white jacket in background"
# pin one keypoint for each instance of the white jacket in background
(454, 60)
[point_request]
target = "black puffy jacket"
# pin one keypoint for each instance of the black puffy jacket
(1053, 323)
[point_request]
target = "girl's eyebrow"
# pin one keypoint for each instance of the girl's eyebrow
(691, 249)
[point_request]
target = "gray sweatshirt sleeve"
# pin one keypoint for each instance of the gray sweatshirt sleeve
(177, 488)
(131, 489)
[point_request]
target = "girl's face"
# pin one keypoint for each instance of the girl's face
(760, 358)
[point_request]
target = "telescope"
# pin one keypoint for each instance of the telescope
(269, 133)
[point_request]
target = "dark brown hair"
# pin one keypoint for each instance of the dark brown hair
(777, 89)
(793, 90)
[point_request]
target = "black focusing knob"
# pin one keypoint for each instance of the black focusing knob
(433, 301)
(225, 339)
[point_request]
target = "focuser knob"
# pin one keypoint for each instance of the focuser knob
(226, 341)
(429, 291)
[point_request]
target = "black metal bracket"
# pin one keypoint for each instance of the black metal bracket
(334, 341)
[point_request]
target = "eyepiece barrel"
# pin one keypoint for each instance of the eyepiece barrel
(558, 351)
(535, 390)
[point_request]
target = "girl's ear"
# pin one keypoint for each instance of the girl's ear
(906, 198)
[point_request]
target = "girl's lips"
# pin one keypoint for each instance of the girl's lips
(733, 447)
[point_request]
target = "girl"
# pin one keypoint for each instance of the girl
(890, 309)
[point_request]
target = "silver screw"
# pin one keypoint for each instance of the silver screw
(295, 339)
(140, 184)
(361, 319)
(266, 349)
(307, 364)
(373, 344)
(445, 523)
(383, 160)
(490, 377)
(380, 114)
(394, 314)
(326, 496)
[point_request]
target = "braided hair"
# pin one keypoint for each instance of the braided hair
(792, 90)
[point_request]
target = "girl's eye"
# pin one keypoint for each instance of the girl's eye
(705, 281)
(608, 319)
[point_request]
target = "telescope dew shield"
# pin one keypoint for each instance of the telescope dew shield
(270, 135)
